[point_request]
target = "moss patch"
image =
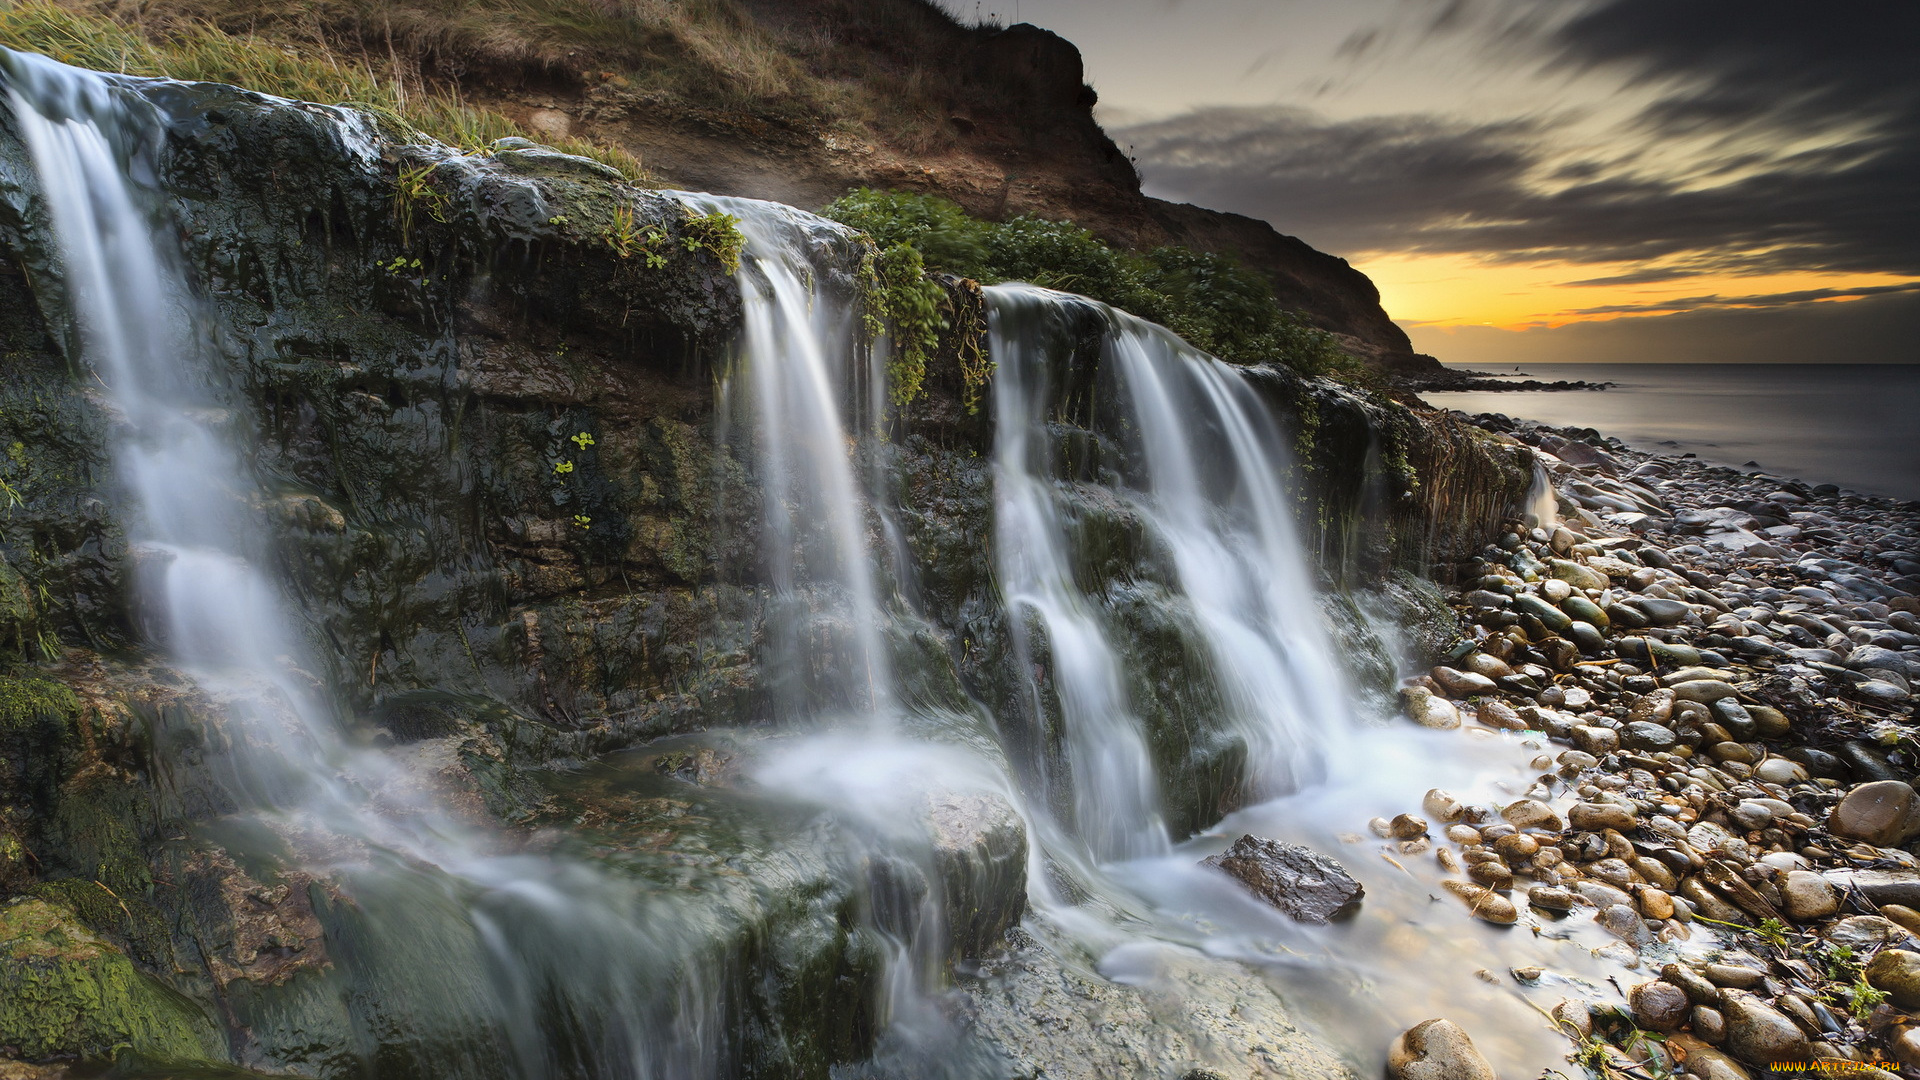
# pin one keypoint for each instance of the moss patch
(38, 722)
(129, 922)
(66, 992)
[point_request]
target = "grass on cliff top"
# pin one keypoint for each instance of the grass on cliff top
(751, 66)
(199, 51)
(1208, 299)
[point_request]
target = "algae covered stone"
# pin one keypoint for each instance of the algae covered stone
(67, 993)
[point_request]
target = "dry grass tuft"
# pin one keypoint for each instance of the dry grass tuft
(186, 44)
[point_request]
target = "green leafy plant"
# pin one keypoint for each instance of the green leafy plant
(627, 239)
(562, 468)
(1770, 931)
(718, 234)
(582, 521)
(903, 303)
(1209, 299)
(1859, 997)
(1839, 962)
(413, 194)
(582, 440)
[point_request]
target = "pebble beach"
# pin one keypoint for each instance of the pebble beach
(1719, 667)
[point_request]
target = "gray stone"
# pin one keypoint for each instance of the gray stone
(1733, 976)
(1589, 639)
(1882, 691)
(1750, 815)
(1306, 885)
(1881, 886)
(1867, 657)
(1600, 894)
(1459, 683)
(1864, 932)
(1625, 923)
(1779, 770)
(1660, 612)
(1647, 735)
(1436, 1050)
(1692, 983)
(1551, 617)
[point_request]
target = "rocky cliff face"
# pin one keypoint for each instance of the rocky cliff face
(798, 101)
(413, 342)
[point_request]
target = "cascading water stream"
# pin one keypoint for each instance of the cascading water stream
(548, 966)
(1543, 505)
(489, 964)
(1195, 456)
(1201, 468)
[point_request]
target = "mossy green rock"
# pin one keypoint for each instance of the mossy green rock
(66, 993)
(1551, 617)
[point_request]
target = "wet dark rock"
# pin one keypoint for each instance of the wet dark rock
(1659, 1006)
(1305, 884)
(1866, 762)
(1818, 762)
(1642, 735)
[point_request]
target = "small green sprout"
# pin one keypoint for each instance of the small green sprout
(563, 467)
(582, 521)
(582, 440)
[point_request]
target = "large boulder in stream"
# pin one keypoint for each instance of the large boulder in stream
(1300, 881)
(1436, 1050)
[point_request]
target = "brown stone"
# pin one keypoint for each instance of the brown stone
(1884, 813)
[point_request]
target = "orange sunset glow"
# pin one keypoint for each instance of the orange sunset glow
(1464, 290)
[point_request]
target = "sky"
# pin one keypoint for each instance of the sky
(1539, 180)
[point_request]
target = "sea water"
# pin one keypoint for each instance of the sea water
(1854, 425)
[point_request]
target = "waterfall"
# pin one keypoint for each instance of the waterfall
(488, 963)
(1165, 636)
(798, 366)
(1200, 462)
(1543, 506)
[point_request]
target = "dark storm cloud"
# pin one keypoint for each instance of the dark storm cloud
(1728, 76)
(1365, 184)
(1779, 299)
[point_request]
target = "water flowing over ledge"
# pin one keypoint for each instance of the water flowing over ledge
(425, 483)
